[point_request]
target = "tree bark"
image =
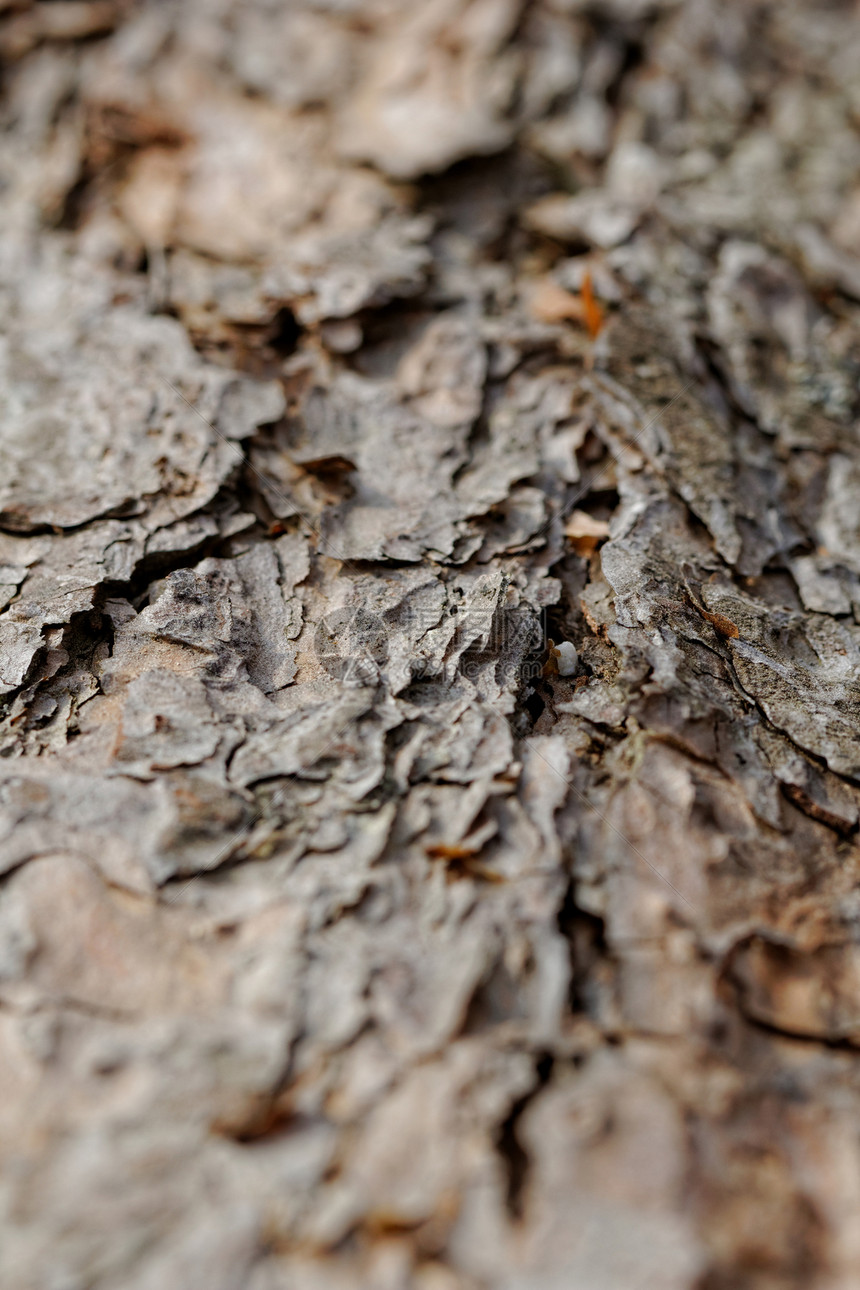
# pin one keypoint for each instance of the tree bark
(429, 645)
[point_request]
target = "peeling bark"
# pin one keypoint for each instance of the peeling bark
(429, 645)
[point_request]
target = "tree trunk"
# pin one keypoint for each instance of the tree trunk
(430, 645)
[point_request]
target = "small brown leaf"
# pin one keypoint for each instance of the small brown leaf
(723, 625)
(592, 312)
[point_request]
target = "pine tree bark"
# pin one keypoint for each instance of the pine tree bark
(429, 645)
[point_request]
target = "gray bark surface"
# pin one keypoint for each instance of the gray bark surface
(357, 357)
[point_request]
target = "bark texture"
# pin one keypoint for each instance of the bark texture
(352, 935)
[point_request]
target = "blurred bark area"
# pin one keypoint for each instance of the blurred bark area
(351, 938)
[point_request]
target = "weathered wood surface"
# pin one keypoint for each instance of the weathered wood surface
(343, 944)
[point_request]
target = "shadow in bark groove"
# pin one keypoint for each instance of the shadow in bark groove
(513, 1154)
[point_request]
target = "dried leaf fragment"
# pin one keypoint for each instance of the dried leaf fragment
(723, 625)
(592, 312)
(552, 303)
(585, 532)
